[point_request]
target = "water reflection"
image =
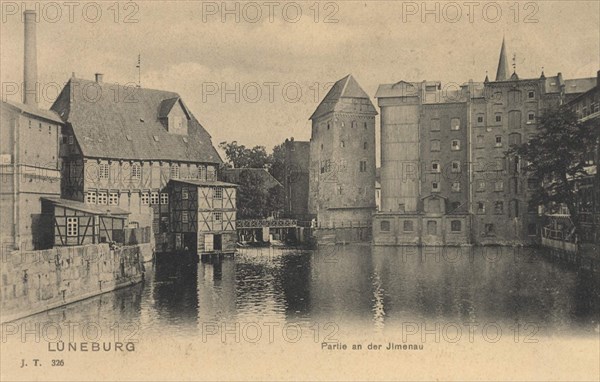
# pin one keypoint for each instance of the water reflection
(372, 288)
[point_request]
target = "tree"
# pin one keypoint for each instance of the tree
(239, 156)
(555, 157)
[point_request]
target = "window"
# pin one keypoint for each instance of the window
(435, 124)
(500, 161)
(363, 166)
(480, 120)
(354, 124)
(530, 117)
(104, 170)
(342, 144)
(40, 126)
(515, 185)
(211, 173)
(435, 166)
(498, 118)
(49, 129)
(175, 171)
(455, 124)
(365, 145)
(455, 144)
(70, 139)
(201, 172)
(489, 229)
(164, 198)
(498, 141)
(435, 186)
(72, 226)
(30, 123)
(531, 229)
(154, 198)
(499, 186)
(499, 207)
(481, 185)
(184, 193)
(532, 208)
(385, 225)
(113, 199)
(102, 198)
(145, 198)
(455, 226)
(435, 145)
(530, 94)
(408, 226)
(217, 193)
(514, 207)
(454, 206)
(431, 227)
(480, 141)
(321, 146)
(481, 207)
(90, 197)
(365, 125)
(456, 187)
(185, 217)
(217, 216)
(136, 171)
(455, 166)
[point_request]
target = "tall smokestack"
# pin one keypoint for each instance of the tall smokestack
(30, 60)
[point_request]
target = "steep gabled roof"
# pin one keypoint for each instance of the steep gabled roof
(346, 88)
(118, 122)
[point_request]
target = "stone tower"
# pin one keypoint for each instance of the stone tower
(342, 156)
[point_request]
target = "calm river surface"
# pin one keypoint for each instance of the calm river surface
(359, 287)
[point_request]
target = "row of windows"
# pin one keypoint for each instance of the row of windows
(436, 146)
(185, 216)
(147, 198)
(490, 229)
(436, 166)
(498, 208)
(431, 226)
(40, 127)
(196, 172)
(353, 124)
(343, 144)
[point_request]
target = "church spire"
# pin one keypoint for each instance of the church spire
(502, 72)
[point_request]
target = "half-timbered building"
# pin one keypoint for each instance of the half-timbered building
(122, 144)
(77, 223)
(202, 216)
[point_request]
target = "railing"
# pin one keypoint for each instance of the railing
(559, 235)
(260, 223)
(345, 224)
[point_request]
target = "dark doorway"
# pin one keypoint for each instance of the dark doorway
(218, 243)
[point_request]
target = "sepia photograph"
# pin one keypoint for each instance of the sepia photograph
(350, 190)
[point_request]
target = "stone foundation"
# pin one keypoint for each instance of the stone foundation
(36, 281)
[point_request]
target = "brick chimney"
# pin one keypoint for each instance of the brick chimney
(30, 76)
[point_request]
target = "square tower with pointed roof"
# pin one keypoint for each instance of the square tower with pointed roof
(342, 156)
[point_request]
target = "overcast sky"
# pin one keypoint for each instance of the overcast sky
(187, 48)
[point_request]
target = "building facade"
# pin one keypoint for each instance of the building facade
(450, 143)
(296, 180)
(30, 170)
(202, 216)
(342, 157)
(121, 146)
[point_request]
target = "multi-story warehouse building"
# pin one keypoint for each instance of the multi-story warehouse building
(449, 144)
(29, 158)
(342, 156)
(122, 144)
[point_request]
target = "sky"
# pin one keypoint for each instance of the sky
(254, 72)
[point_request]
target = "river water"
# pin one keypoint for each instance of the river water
(358, 288)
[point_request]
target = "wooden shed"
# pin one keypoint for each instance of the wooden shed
(77, 223)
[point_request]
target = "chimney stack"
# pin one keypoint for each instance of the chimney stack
(99, 77)
(30, 77)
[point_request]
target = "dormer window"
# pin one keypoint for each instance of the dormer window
(174, 116)
(175, 171)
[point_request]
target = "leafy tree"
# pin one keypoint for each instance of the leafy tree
(239, 156)
(555, 157)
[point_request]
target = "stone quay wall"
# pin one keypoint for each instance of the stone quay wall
(36, 281)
